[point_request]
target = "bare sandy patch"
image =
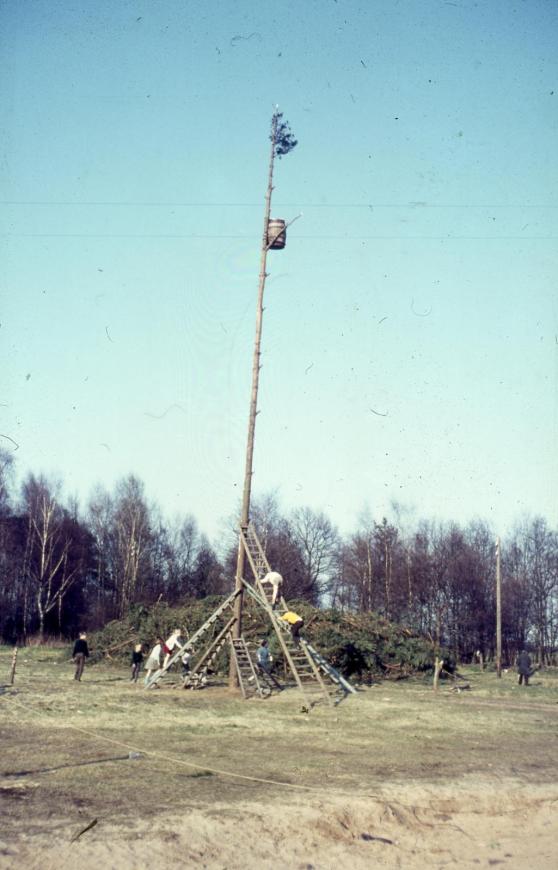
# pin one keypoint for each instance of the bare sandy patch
(473, 824)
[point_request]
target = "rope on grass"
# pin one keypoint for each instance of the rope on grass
(202, 767)
(213, 770)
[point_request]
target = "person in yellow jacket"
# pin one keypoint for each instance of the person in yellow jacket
(295, 623)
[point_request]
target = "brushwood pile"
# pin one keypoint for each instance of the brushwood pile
(363, 646)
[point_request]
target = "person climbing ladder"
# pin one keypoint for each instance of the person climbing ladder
(295, 623)
(274, 579)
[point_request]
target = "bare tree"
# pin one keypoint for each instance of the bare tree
(175, 549)
(319, 542)
(6, 480)
(100, 516)
(359, 568)
(540, 548)
(132, 532)
(48, 546)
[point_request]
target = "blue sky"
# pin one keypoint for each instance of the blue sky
(410, 346)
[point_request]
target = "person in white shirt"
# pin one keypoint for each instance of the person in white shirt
(274, 579)
(153, 662)
(171, 644)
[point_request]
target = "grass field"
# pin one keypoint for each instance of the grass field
(395, 776)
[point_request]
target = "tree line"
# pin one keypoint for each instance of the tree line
(63, 567)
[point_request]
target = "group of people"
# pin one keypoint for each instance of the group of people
(263, 656)
(164, 648)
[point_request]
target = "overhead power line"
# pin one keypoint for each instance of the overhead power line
(343, 237)
(356, 205)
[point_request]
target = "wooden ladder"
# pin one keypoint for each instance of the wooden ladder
(311, 671)
(248, 679)
(255, 552)
(288, 649)
(328, 670)
(191, 642)
(259, 565)
(197, 677)
(309, 674)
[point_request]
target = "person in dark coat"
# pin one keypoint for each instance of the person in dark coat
(524, 667)
(80, 653)
(137, 659)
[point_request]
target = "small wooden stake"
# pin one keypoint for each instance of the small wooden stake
(13, 668)
(438, 665)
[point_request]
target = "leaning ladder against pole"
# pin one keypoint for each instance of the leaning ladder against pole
(258, 562)
(248, 679)
(260, 566)
(193, 679)
(228, 602)
(284, 647)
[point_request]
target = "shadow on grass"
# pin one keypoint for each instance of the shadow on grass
(19, 773)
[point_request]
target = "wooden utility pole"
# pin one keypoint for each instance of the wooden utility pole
(498, 610)
(248, 472)
(13, 667)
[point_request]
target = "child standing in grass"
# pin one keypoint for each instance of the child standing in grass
(137, 658)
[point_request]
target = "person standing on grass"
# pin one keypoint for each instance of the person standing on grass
(263, 657)
(80, 653)
(186, 663)
(153, 662)
(137, 658)
(524, 667)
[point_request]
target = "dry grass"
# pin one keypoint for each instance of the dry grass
(56, 767)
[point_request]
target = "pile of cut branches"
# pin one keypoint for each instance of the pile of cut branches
(362, 646)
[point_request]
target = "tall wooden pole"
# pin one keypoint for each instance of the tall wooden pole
(245, 510)
(498, 610)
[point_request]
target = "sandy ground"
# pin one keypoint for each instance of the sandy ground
(420, 826)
